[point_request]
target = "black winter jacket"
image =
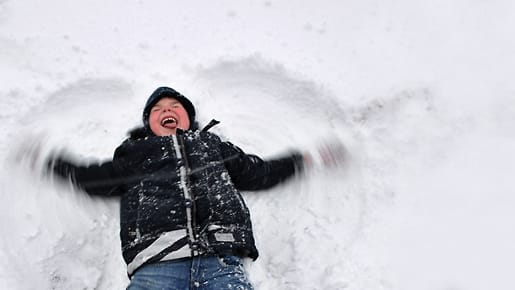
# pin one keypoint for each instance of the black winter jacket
(179, 194)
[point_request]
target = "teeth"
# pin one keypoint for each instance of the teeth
(168, 120)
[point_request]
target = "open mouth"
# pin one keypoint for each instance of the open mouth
(169, 123)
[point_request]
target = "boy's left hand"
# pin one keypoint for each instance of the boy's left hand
(329, 154)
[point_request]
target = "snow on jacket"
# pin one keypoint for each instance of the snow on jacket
(180, 194)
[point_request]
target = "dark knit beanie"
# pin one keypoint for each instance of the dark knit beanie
(164, 92)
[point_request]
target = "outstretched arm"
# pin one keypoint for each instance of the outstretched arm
(95, 179)
(249, 172)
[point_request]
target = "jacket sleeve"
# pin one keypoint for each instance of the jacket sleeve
(95, 179)
(250, 172)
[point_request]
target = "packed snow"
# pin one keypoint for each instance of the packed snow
(420, 92)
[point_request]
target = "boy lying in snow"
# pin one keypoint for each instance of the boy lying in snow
(183, 222)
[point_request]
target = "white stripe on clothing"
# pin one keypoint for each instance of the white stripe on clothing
(164, 241)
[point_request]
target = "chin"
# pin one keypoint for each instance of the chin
(164, 132)
(169, 133)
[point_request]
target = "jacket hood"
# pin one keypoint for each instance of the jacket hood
(139, 133)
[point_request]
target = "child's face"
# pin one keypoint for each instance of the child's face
(166, 116)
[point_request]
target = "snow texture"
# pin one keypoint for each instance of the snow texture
(421, 93)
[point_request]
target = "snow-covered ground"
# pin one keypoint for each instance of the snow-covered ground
(421, 92)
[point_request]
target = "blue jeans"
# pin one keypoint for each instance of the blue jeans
(205, 272)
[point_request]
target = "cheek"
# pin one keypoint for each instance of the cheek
(153, 116)
(154, 125)
(186, 119)
(153, 119)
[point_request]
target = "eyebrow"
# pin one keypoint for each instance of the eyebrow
(170, 102)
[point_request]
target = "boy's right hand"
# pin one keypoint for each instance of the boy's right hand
(31, 155)
(28, 153)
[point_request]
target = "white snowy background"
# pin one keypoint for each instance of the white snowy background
(421, 92)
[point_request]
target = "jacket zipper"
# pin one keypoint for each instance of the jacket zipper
(178, 143)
